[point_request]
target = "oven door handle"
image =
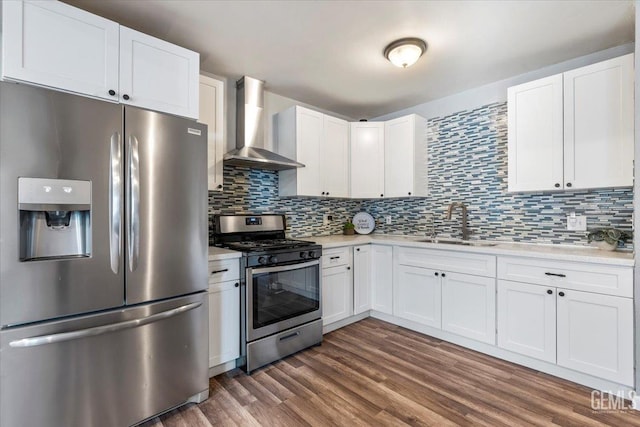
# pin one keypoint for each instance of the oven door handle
(287, 267)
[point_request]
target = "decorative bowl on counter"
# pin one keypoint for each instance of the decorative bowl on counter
(607, 239)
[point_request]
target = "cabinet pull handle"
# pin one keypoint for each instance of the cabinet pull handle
(568, 184)
(125, 97)
(219, 271)
(382, 195)
(334, 257)
(327, 193)
(237, 284)
(358, 249)
(549, 291)
(293, 335)
(561, 294)
(112, 92)
(436, 273)
(219, 185)
(323, 193)
(348, 268)
(444, 275)
(557, 185)
(556, 274)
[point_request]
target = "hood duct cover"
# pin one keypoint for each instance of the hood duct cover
(250, 151)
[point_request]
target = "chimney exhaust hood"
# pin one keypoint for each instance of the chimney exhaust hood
(250, 151)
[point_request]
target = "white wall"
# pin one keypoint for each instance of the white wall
(497, 92)
(636, 205)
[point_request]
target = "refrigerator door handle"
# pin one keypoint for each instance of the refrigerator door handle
(115, 202)
(134, 203)
(100, 330)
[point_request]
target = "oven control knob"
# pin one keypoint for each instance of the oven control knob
(262, 260)
(273, 259)
(312, 254)
(303, 255)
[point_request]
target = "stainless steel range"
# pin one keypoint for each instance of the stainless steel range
(280, 294)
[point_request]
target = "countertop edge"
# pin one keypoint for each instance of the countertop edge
(501, 249)
(219, 254)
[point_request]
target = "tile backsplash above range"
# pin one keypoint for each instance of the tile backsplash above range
(467, 163)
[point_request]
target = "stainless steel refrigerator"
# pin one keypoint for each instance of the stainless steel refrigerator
(103, 260)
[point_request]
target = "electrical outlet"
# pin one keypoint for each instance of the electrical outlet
(387, 219)
(326, 219)
(576, 222)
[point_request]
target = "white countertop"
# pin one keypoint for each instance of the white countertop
(217, 254)
(557, 252)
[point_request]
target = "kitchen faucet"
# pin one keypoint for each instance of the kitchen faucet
(465, 232)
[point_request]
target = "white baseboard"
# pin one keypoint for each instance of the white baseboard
(344, 322)
(223, 367)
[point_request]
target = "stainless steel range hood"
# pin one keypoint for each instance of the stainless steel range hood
(250, 151)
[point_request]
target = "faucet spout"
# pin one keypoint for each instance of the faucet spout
(465, 231)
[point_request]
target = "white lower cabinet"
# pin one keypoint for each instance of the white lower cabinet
(469, 306)
(583, 331)
(382, 278)
(224, 322)
(337, 293)
(362, 279)
(417, 295)
(527, 319)
(595, 334)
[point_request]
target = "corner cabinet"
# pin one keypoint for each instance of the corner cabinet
(212, 114)
(367, 160)
(405, 157)
(573, 130)
(93, 56)
(321, 143)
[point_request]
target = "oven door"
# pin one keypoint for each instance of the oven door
(281, 297)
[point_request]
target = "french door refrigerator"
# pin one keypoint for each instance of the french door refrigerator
(103, 260)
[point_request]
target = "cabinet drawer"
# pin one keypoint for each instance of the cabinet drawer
(336, 257)
(602, 279)
(224, 270)
(456, 262)
(215, 287)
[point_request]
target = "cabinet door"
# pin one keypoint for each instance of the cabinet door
(598, 124)
(382, 278)
(224, 322)
(309, 129)
(158, 75)
(527, 319)
(416, 295)
(398, 157)
(595, 335)
(469, 306)
(367, 160)
(211, 114)
(334, 154)
(337, 294)
(535, 135)
(56, 45)
(361, 279)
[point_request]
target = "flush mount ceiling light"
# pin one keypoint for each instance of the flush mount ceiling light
(405, 52)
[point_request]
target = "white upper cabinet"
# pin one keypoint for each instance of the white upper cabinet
(405, 157)
(598, 131)
(535, 135)
(321, 143)
(573, 130)
(53, 44)
(334, 157)
(367, 160)
(212, 114)
(158, 75)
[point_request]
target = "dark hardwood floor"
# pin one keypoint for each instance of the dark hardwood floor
(373, 373)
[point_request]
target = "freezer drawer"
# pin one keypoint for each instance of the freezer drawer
(111, 369)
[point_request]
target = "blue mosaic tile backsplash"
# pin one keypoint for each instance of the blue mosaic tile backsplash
(467, 163)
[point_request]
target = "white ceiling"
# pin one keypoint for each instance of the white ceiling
(329, 53)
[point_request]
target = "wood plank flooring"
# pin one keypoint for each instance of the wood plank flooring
(373, 373)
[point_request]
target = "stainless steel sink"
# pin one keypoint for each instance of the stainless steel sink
(457, 242)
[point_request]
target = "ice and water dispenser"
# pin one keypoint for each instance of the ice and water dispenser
(55, 218)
